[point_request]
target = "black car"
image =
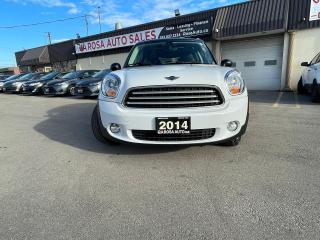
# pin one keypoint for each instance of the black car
(14, 77)
(4, 76)
(15, 86)
(66, 85)
(90, 87)
(35, 86)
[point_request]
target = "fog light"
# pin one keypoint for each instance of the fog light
(233, 126)
(114, 128)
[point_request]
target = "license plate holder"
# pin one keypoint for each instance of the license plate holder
(173, 125)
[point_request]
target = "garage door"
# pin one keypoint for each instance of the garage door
(259, 61)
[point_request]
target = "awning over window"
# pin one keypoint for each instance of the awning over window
(35, 56)
(250, 17)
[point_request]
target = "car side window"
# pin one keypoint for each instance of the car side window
(89, 74)
(86, 74)
(315, 59)
(318, 60)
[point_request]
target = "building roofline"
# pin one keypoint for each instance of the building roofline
(165, 19)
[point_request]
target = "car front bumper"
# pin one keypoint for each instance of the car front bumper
(54, 90)
(203, 118)
(11, 89)
(31, 89)
(87, 91)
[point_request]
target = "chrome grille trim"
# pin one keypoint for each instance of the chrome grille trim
(172, 103)
(173, 96)
(175, 92)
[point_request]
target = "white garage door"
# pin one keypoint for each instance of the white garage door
(259, 61)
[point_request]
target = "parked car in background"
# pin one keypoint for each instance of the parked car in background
(310, 80)
(15, 86)
(4, 76)
(14, 77)
(35, 86)
(171, 91)
(66, 85)
(90, 87)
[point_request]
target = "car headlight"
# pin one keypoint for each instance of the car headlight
(36, 84)
(62, 84)
(1, 84)
(235, 83)
(110, 85)
(17, 84)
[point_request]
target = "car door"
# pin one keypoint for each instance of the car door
(312, 70)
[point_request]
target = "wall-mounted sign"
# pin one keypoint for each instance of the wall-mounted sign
(196, 28)
(314, 10)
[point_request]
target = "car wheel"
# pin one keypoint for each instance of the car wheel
(40, 91)
(20, 90)
(315, 92)
(301, 89)
(101, 136)
(72, 91)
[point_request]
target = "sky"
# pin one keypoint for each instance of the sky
(128, 12)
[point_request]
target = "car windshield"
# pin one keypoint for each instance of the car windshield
(102, 73)
(49, 76)
(71, 75)
(164, 53)
(27, 76)
(13, 77)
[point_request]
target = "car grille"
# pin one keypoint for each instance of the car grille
(151, 135)
(173, 97)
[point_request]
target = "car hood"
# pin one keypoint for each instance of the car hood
(34, 81)
(7, 83)
(53, 82)
(89, 80)
(186, 74)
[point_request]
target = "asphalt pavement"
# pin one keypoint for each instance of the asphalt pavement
(58, 182)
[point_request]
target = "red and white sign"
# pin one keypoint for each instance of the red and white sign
(195, 28)
(119, 41)
(314, 10)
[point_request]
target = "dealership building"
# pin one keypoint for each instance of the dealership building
(266, 39)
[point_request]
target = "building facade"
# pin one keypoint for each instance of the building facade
(59, 56)
(266, 39)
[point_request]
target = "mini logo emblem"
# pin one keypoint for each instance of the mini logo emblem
(172, 78)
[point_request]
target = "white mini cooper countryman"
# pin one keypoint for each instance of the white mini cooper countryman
(171, 91)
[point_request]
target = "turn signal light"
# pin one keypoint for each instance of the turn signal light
(235, 90)
(111, 93)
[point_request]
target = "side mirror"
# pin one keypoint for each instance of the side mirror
(115, 67)
(305, 64)
(226, 63)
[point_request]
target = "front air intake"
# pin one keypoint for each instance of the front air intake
(173, 97)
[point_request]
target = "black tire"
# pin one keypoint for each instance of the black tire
(71, 91)
(101, 136)
(40, 91)
(315, 93)
(301, 89)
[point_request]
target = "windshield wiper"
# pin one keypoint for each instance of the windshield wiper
(139, 64)
(181, 62)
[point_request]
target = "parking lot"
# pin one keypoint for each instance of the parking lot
(58, 182)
